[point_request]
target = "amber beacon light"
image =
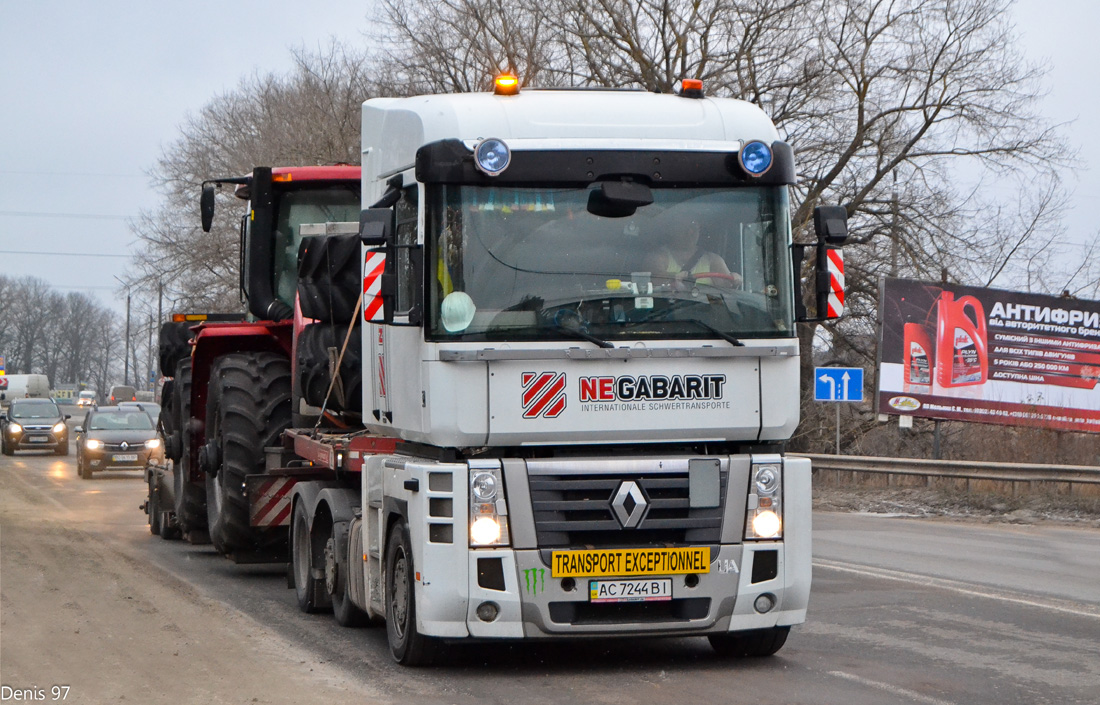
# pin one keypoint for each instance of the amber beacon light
(506, 84)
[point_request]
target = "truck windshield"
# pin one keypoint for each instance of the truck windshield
(304, 206)
(518, 263)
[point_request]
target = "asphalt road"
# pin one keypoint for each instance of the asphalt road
(903, 611)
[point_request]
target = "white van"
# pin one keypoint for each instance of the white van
(20, 386)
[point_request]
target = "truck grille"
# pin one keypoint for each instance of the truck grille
(573, 510)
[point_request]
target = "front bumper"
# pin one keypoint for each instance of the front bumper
(31, 438)
(132, 459)
(535, 605)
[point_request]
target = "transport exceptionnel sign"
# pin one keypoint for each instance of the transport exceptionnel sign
(987, 355)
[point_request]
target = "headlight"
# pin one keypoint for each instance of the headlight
(153, 444)
(59, 428)
(488, 507)
(93, 444)
(15, 428)
(485, 531)
(764, 512)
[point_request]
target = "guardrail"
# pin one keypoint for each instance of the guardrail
(1013, 478)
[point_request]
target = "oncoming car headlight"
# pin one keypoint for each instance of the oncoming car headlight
(488, 507)
(59, 427)
(153, 444)
(764, 512)
(93, 444)
(14, 428)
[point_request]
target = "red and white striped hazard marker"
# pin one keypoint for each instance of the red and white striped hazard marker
(373, 266)
(835, 264)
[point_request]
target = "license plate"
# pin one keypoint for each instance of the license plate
(650, 589)
(628, 562)
(38, 439)
(126, 458)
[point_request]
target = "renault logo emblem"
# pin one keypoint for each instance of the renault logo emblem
(125, 445)
(629, 504)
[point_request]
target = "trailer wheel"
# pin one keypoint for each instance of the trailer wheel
(247, 409)
(408, 646)
(152, 506)
(190, 498)
(307, 588)
(754, 644)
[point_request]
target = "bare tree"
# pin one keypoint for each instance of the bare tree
(310, 116)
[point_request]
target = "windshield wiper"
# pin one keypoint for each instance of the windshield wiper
(576, 332)
(720, 333)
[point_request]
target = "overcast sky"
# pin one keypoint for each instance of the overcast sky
(91, 92)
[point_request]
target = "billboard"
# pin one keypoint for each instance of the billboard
(971, 354)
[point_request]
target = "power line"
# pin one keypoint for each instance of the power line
(60, 254)
(82, 216)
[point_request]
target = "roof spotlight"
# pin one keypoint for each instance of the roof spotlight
(492, 156)
(755, 158)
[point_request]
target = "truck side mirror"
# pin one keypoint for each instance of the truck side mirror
(831, 228)
(206, 206)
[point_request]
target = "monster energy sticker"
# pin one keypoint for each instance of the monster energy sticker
(535, 579)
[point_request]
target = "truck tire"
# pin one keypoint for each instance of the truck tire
(328, 277)
(345, 611)
(754, 644)
(190, 498)
(408, 646)
(175, 345)
(307, 588)
(247, 409)
(167, 419)
(313, 365)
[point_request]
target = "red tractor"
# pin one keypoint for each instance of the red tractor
(231, 389)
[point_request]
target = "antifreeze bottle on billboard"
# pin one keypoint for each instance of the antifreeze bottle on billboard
(919, 356)
(961, 356)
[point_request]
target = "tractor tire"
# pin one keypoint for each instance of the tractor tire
(313, 366)
(190, 498)
(174, 346)
(247, 409)
(408, 646)
(753, 644)
(328, 277)
(166, 422)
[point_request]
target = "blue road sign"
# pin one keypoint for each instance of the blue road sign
(838, 384)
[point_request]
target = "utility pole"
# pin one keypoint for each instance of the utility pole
(126, 356)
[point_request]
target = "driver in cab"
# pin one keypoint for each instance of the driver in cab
(683, 262)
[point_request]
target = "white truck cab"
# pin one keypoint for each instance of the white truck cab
(579, 331)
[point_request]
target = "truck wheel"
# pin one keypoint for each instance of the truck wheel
(190, 498)
(754, 644)
(336, 583)
(306, 588)
(408, 646)
(247, 410)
